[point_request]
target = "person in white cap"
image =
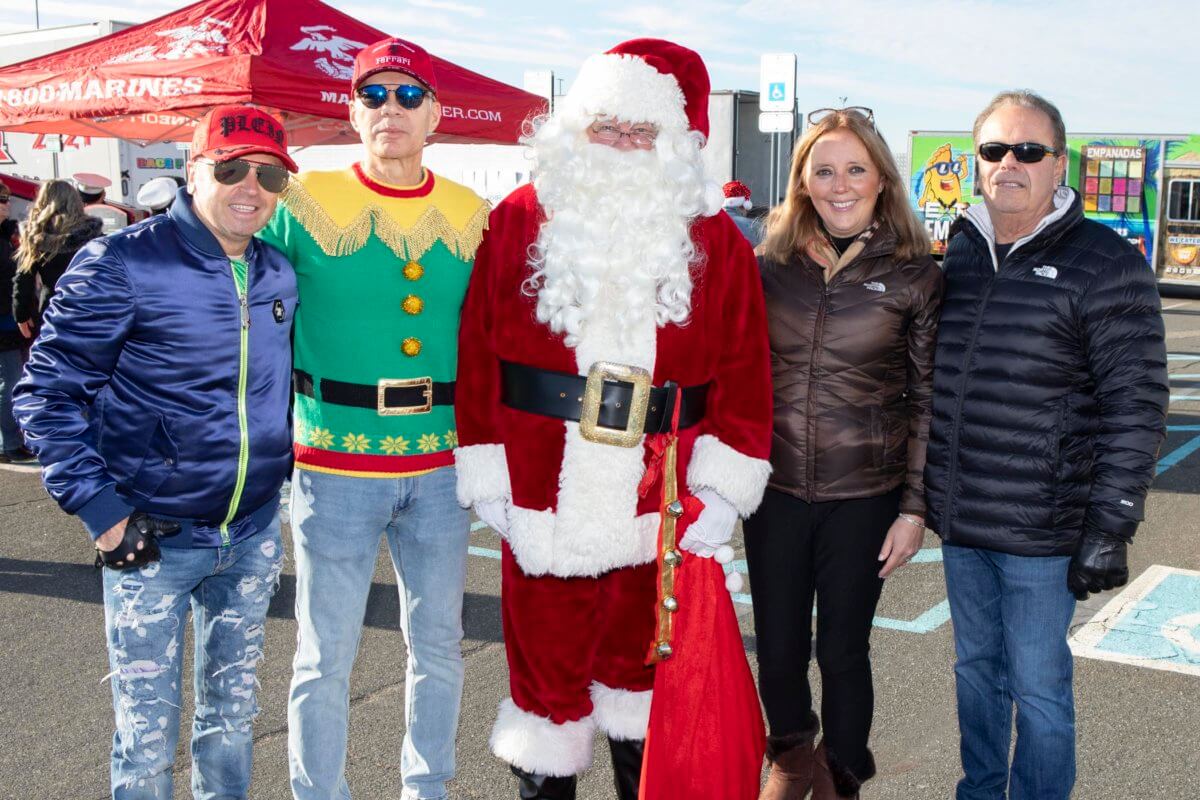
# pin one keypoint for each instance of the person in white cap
(92, 191)
(560, 305)
(157, 194)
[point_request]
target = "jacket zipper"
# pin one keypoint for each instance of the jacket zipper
(818, 332)
(243, 425)
(962, 397)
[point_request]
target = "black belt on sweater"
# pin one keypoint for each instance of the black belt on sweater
(613, 403)
(389, 397)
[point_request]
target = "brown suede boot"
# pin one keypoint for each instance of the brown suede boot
(832, 781)
(791, 758)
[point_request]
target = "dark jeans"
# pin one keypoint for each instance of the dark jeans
(795, 549)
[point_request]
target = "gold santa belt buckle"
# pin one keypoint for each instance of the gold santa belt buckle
(610, 403)
(589, 415)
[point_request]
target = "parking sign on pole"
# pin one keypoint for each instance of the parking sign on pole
(777, 82)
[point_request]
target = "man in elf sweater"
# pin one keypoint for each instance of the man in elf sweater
(382, 251)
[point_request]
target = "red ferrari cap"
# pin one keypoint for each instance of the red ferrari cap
(395, 55)
(228, 132)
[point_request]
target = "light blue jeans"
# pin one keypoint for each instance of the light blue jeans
(145, 610)
(337, 522)
(1011, 616)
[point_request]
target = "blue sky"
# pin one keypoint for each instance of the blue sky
(1112, 67)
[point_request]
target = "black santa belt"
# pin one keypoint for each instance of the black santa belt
(389, 397)
(614, 404)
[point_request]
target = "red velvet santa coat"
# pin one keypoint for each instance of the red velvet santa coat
(576, 510)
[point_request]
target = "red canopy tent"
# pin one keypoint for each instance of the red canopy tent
(151, 82)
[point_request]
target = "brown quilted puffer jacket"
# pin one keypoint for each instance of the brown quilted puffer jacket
(852, 363)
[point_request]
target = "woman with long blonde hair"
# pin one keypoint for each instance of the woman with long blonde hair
(57, 227)
(852, 309)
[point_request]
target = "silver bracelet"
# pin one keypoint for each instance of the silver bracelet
(911, 520)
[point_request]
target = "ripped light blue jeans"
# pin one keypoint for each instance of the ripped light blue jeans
(145, 610)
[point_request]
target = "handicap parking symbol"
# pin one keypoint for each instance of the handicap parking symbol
(1154, 622)
(777, 91)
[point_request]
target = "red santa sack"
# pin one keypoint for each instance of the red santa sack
(705, 740)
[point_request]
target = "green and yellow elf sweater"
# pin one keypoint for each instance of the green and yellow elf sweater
(381, 272)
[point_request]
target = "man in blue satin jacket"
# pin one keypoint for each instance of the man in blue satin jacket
(156, 399)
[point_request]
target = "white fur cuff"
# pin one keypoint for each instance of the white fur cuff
(542, 545)
(622, 715)
(482, 471)
(738, 478)
(535, 744)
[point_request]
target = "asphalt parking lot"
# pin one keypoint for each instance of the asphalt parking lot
(1137, 668)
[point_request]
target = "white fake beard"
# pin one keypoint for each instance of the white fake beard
(617, 233)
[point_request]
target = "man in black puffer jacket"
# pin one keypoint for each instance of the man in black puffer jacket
(1049, 407)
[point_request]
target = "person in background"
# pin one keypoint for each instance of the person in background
(737, 205)
(852, 307)
(1049, 406)
(12, 343)
(56, 229)
(157, 401)
(93, 191)
(157, 194)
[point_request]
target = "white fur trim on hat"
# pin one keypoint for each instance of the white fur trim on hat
(629, 89)
(482, 473)
(535, 744)
(738, 202)
(738, 478)
(622, 715)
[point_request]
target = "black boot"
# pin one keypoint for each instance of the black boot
(531, 786)
(627, 767)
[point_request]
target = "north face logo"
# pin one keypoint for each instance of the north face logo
(1046, 272)
(875, 286)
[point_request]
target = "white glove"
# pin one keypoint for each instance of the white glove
(494, 514)
(713, 530)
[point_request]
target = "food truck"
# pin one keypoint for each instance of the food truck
(1146, 187)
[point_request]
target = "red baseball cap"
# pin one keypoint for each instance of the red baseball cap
(228, 132)
(394, 55)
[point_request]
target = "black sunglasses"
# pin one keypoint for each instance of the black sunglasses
(230, 173)
(374, 95)
(3, 199)
(1025, 152)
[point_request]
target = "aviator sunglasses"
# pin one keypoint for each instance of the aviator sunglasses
(1025, 152)
(374, 95)
(233, 172)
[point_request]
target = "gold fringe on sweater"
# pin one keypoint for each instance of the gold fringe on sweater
(408, 243)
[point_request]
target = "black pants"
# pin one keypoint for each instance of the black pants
(795, 549)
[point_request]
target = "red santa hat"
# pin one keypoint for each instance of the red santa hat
(643, 80)
(737, 195)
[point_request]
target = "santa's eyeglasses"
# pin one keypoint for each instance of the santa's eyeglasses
(609, 133)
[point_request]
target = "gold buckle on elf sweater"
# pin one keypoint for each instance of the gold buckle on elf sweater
(385, 410)
(589, 415)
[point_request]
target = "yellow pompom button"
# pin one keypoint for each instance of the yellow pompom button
(413, 271)
(413, 305)
(411, 346)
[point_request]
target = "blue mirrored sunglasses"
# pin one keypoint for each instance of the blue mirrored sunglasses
(374, 95)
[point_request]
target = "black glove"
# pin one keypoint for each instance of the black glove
(141, 528)
(1099, 564)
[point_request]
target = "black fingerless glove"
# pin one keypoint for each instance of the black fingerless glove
(141, 528)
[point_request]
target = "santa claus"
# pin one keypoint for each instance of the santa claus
(611, 307)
